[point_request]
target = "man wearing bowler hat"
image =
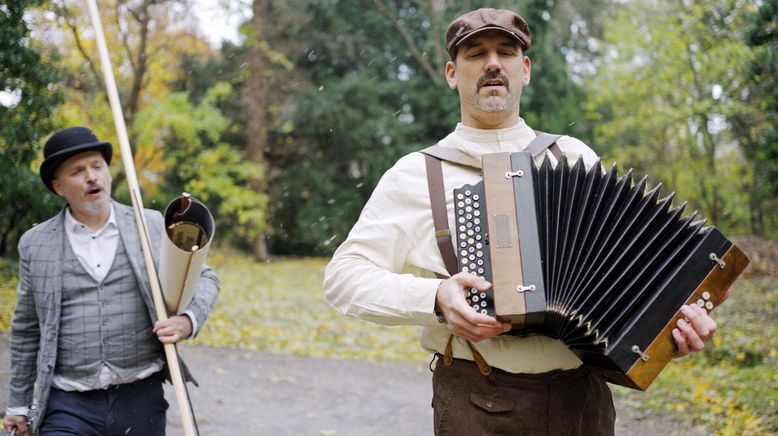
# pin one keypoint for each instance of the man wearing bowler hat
(86, 347)
(483, 382)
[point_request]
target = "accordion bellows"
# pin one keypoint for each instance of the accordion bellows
(590, 258)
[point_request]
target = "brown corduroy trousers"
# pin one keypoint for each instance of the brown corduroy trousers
(573, 402)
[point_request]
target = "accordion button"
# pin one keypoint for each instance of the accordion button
(469, 216)
(462, 228)
(468, 192)
(706, 295)
(468, 201)
(709, 305)
(464, 253)
(460, 212)
(476, 197)
(477, 213)
(460, 204)
(477, 229)
(460, 196)
(701, 302)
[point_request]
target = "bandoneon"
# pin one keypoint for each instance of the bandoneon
(590, 258)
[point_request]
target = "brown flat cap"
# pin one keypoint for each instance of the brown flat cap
(481, 20)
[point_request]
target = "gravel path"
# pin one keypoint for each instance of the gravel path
(244, 392)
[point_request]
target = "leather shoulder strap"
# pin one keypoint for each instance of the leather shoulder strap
(542, 142)
(452, 155)
(439, 214)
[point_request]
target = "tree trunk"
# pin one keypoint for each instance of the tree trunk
(255, 101)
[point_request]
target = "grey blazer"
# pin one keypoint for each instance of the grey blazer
(35, 324)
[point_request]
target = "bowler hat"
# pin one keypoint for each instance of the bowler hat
(67, 143)
(481, 20)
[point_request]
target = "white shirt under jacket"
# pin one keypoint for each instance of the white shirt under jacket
(368, 275)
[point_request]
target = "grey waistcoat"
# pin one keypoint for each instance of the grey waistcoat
(104, 323)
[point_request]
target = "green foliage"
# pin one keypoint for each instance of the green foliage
(9, 277)
(670, 98)
(26, 82)
(188, 136)
(370, 101)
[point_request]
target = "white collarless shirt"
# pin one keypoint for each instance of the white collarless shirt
(95, 249)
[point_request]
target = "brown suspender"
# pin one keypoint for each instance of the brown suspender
(433, 157)
(439, 215)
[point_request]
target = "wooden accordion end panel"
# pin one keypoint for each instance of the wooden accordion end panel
(591, 259)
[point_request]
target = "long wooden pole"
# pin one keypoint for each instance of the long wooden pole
(171, 354)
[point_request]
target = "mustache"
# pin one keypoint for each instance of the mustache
(492, 75)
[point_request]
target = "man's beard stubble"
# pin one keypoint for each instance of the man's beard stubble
(500, 104)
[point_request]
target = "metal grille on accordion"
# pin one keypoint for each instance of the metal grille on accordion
(589, 258)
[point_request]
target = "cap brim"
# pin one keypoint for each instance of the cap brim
(487, 29)
(49, 166)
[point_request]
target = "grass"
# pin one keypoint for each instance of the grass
(731, 388)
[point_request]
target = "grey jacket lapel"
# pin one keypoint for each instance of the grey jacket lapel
(128, 230)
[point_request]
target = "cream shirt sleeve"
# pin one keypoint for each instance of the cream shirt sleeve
(364, 277)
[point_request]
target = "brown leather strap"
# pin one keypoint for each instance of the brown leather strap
(479, 360)
(439, 213)
(452, 155)
(448, 356)
(543, 141)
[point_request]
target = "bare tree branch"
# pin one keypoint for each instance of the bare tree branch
(417, 54)
(64, 13)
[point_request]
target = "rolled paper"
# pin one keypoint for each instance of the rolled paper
(190, 230)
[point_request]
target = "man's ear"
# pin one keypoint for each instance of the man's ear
(451, 75)
(527, 70)
(56, 186)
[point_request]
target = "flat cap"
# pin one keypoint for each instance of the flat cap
(484, 19)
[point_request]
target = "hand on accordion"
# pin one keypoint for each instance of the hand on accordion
(461, 319)
(693, 330)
